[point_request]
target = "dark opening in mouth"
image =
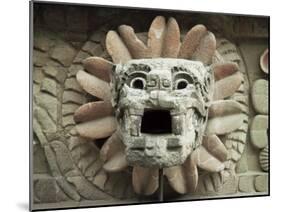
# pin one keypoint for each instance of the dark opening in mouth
(156, 122)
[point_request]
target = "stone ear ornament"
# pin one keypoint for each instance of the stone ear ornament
(163, 105)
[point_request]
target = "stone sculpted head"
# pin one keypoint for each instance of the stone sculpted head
(164, 103)
(161, 107)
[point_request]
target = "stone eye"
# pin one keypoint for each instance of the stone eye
(138, 83)
(182, 81)
(181, 84)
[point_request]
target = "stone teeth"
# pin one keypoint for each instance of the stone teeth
(135, 125)
(177, 124)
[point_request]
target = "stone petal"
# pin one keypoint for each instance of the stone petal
(260, 96)
(191, 41)
(176, 178)
(112, 145)
(264, 61)
(206, 49)
(136, 47)
(116, 163)
(171, 40)
(99, 67)
(94, 85)
(214, 145)
(227, 86)
(93, 110)
(156, 36)
(116, 48)
(191, 174)
(222, 70)
(217, 58)
(258, 131)
(145, 180)
(96, 129)
(224, 108)
(224, 124)
(206, 161)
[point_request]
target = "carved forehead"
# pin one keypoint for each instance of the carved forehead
(174, 65)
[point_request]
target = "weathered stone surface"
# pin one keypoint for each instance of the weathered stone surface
(135, 102)
(44, 119)
(259, 131)
(100, 179)
(94, 85)
(96, 129)
(43, 43)
(214, 145)
(222, 70)
(86, 189)
(99, 67)
(73, 69)
(206, 49)
(68, 120)
(49, 103)
(82, 55)
(93, 110)
(63, 158)
(242, 165)
(156, 35)
(69, 108)
(136, 47)
(224, 124)
(176, 178)
(246, 184)
(234, 155)
(191, 41)
(224, 108)
(116, 48)
(112, 145)
(145, 180)
(264, 159)
(39, 58)
(64, 53)
(264, 61)
(35, 88)
(261, 183)
(230, 186)
(92, 48)
(116, 163)
(37, 75)
(73, 97)
(103, 178)
(260, 96)
(72, 84)
(171, 44)
(206, 161)
(55, 72)
(40, 164)
(227, 86)
(46, 189)
(49, 86)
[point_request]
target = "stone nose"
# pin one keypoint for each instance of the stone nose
(162, 98)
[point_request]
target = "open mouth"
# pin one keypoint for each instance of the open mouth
(156, 122)
(161, 122)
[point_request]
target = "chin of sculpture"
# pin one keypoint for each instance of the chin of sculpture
(163, 104)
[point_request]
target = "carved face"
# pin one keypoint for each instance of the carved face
(161, 107)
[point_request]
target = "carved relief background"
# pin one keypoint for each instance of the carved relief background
(68, 170)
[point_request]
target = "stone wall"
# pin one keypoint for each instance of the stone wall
(66, 168)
